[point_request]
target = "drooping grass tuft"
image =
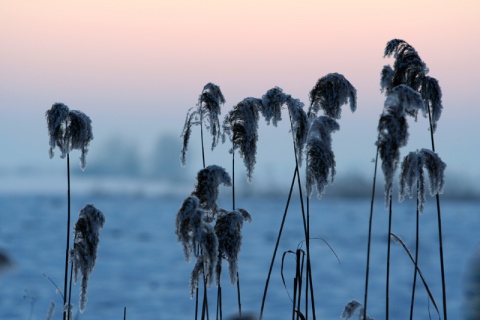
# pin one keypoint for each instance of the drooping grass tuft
(208, 106)
(206, 188)
(228, 230)
(412, 171)
(393, 130)
(69, 130)
(299, 125)
(351, 308)
(330, 93)
(271, 107)
(241, 125)
(432, 95)
(408, 68)
(84, 252)
(188, 219)
(320, 157)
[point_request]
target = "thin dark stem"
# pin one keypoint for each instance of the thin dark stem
(233, 177)
(196, 304)
(219, 302)
(277, 243)
(125, 313)
(294, 297)
(201, 137)
(440, 233)
(416, 259)
(442, 266)
(70, 292)
(238, 296)
(306, 226)
(205, 299)
(370, 238)
(68, 236)
(387, 293)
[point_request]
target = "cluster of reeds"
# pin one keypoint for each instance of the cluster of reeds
(70, 130)
(311, 136)
(408, 90)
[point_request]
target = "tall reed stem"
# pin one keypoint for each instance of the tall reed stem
(387, 293)
(370, 238)
(306, 226)
(416, 258)
(68, 238)
(440, 233)
(277, 243)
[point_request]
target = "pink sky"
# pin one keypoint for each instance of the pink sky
(138, 60)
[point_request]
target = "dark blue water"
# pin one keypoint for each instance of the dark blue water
(141, 266)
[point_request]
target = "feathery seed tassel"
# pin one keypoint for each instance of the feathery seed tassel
(412, 171)
(206, 189)
(271, 107)
(393, 130)
(228, 230)
(57, 119)
(208, 106)
(69, 130)
(299, 125)
(84, 252)
(189, 218)
(241, 124)
(330, 93)
(432, 95)
(320, 157)
(80, 133)
(408, 68)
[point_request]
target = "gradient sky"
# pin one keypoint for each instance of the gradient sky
(136, 67)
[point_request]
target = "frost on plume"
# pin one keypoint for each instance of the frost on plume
(68, 130)
(271, 107)
(241, 124)
(208, 107)
(188, 220)
(84, 252)
(330, 93)
(207, 260)
(206, 188)
(320, 157)
(228, 230)
(299, 123)
(410, 70)
(412, 173)
(393, 130)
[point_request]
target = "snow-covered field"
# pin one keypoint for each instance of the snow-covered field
(141, 266)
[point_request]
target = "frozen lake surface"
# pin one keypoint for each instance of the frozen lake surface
(141, 266)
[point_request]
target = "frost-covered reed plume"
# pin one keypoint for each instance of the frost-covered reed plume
(68, 130)
(393, 130)
(329, 94)
(208, 106)
(351, 308)
(241, 125)
(409, 69)
(412, 171)
(85, 244)
(228, 230)
(194, 232)
(320, 157)
(206, 188)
